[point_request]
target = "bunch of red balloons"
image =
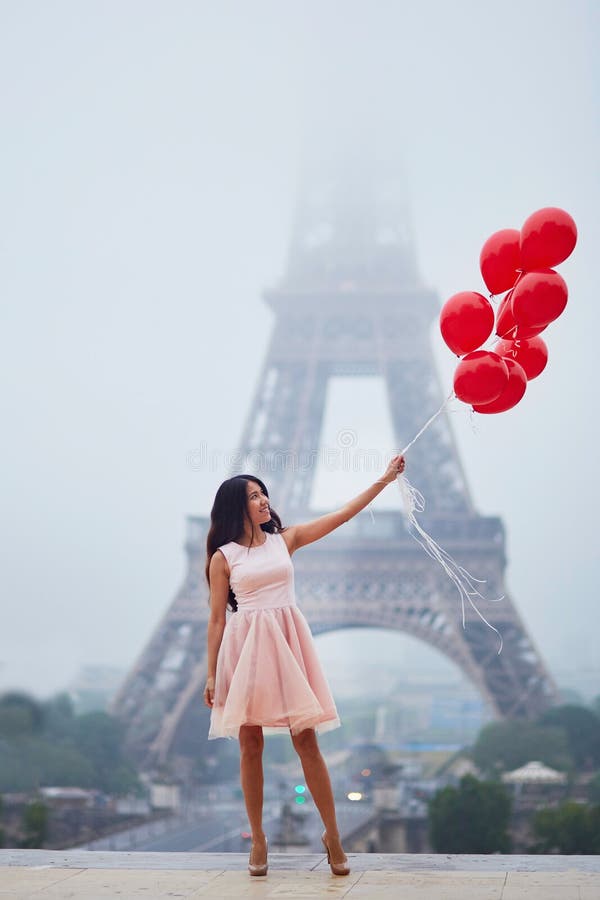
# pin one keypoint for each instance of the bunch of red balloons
(519, 264)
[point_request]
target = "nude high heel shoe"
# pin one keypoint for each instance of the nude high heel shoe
(261, 869)
(336, 868)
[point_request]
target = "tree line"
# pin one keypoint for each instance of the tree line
(475, 815)
(47, 743)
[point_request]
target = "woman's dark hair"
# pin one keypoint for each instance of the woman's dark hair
(227, 519)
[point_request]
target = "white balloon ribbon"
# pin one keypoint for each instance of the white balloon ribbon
(413, 501)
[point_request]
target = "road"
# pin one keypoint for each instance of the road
(219, 828)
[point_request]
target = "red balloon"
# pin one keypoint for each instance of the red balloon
(500, 260)
(539, 298)
(506, 327)
(512, 393)
(532, 355)
(466, 321)
(480, 377)
(548, 236)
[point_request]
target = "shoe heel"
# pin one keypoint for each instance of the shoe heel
(335, 868)
(258, 870)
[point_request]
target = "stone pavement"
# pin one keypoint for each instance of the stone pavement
(91, 875)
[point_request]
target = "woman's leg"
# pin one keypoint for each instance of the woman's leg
(319, 785)
(251, 776)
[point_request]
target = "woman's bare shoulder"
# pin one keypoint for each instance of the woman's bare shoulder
(219, 563)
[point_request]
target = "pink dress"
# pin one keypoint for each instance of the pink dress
(268, 672)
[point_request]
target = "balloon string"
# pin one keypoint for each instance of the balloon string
(413, 501)
(428, 422)
(502, 336)
(514, 328)
(418, 435)
(517, 279)
(513, 350)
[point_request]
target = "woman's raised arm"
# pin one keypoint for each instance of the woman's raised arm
(308, 532)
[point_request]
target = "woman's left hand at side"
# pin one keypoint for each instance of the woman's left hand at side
(209, 692)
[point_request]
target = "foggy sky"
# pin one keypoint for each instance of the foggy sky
(149, 165)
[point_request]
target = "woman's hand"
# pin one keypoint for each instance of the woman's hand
(209, 692)
(395, 467)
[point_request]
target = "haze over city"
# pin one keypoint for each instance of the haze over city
(149, 177)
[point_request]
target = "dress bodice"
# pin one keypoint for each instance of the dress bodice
(261, 577)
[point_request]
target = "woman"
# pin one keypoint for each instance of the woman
(263, 671)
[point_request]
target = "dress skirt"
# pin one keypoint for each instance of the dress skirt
(268, 674)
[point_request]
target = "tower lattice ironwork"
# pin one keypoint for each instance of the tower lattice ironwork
(351, 302)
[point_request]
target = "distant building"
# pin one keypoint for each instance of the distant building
(69, 797)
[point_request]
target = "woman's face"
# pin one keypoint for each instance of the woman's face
(257, 504)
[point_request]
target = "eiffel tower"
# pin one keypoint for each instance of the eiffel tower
(351, 303)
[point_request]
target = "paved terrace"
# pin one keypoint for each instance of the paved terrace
(89, 874)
